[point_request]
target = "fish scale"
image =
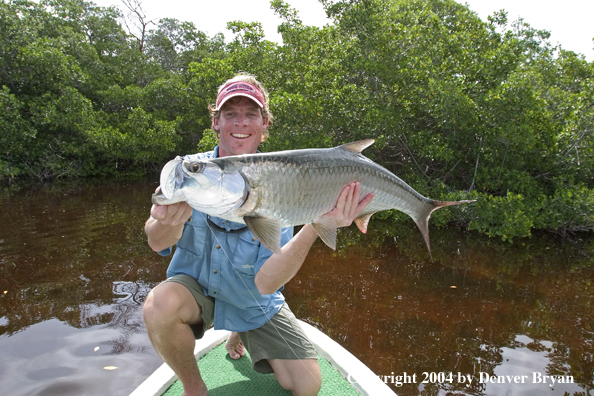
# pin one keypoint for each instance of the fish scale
(300, 197)
(268, 191)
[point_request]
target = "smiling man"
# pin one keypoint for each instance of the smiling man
(242, 122)
(221, 275)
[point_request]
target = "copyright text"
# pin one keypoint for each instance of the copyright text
(469, 379)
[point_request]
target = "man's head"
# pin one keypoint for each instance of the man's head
(242, 85)
(241, 115)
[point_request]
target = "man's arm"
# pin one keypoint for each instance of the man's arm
(279, 269)
(166, 224)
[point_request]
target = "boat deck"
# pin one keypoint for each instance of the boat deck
(227, 377)
(342, 373)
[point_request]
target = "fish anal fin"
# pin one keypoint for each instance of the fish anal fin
(363, 221)
(325, 226)
(268, 231)
(359, 146)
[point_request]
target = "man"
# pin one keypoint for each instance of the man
(220, 273)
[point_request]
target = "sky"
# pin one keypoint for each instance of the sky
(569, 21)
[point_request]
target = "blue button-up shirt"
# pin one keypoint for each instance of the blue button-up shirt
(225, 265)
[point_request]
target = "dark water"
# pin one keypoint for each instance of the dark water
(75, 269)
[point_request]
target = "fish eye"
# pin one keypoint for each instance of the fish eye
(196, 167)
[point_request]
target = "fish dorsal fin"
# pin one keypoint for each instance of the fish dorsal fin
(325, 226)
(359, 146)
(168, 177)
(363, 221)
(268, 231)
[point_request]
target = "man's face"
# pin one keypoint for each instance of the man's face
(240, 127)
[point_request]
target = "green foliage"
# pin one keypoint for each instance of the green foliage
(81, 100)
(509, 216)
(570, 208)
(16, 133)
(459, 108)
(208, 142)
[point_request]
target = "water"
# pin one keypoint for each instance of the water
(75, 270)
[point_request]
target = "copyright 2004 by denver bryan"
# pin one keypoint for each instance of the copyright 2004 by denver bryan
(469, 379)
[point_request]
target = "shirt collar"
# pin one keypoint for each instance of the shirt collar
(216, 152)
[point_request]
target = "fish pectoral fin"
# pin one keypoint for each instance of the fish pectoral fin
(325, 226)
(363, 221)
(268, 231)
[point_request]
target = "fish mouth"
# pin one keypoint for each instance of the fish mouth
(158, 198)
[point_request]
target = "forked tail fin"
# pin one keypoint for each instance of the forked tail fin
(423, 219)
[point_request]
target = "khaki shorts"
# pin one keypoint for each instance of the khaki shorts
(279, 338)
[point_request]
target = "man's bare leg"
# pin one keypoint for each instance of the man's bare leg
(168, 310)
(234, 346)
(302, 377)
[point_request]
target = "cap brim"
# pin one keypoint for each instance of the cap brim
(240, 94)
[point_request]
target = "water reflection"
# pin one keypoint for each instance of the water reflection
(76, 269)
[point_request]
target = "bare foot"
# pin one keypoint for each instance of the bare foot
(201, 391)
(234, 346)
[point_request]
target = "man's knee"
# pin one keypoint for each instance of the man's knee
(161, 300)
(171, 302)
(302, 377)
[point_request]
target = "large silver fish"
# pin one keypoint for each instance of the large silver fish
(274, 190)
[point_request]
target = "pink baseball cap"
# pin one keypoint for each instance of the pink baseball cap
(240, 88)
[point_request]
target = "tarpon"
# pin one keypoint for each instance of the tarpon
(269, 191)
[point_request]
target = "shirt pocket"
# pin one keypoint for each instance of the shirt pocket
(194, 237)
(246, 253)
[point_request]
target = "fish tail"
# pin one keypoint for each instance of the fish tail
(422, 220)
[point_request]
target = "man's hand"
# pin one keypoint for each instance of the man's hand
(172, 215)
(164, 228)
(348, 207)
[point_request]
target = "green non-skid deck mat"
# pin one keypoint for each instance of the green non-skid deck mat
(227, 377)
